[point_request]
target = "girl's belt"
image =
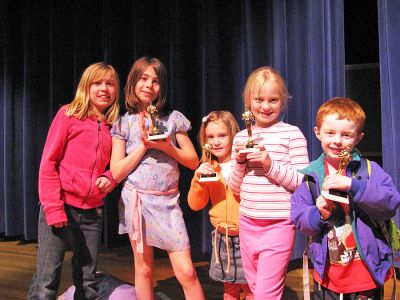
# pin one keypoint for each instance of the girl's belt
(135, 229)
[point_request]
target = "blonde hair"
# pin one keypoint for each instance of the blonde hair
(135, 73)
(220, 116)
(257, 79)
(80, 107)
(345, 108)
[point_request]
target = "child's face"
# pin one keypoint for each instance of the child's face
(102, 93)
(147, 89)
(336, 135)
(218, 135)
(266, 104)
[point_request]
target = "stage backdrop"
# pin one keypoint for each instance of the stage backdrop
(209, 48)
(389, 57)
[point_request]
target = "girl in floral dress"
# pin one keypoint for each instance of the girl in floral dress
(149, 206)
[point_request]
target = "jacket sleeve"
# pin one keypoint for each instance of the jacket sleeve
(198, 195)
(110, 177)
(304, 213)
(287, 175)
(377, 196)
(49, 179)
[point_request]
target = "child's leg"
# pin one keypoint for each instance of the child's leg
(274, 259)
(231, 291)
(85, 235)
(265, 254)
(248, 251)
(186, 274)
(50, 257)
(248, 295)
(144, 268)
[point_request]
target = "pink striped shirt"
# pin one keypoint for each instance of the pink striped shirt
(267, 195)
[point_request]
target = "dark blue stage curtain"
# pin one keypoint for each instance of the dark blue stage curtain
(389, 57)
(209, 48)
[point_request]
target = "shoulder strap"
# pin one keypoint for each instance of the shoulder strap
(311, 184)
(364, 171)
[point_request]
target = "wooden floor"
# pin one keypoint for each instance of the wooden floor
(17, 264)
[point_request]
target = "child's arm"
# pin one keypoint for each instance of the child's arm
(238, 168)
(49, 177)
(304, 213)
(377, 196)
(198, 195)
(120, 165)
(185, 154)
(285, 175)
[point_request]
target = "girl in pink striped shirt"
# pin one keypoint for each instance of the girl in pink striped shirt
(265, 179)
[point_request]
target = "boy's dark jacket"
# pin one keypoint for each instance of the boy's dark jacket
(376, 197)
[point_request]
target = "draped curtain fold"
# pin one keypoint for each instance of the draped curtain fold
(209, 48)
(389, 62)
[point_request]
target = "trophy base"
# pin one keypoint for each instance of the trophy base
(249, 150)
(209, 178)
(335, 195)
(156, 137)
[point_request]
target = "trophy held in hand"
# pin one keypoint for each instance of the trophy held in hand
(336, 195)
(155, 133)
(213, 176)
(248, 118)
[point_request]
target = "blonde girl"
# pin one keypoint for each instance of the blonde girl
(265, 180)
(218, 128)
(149, 206)
(73, 182)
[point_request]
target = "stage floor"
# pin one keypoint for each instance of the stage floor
(17, 264)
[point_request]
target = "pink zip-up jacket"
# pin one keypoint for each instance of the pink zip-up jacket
(76, 153)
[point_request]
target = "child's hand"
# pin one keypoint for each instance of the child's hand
(104, 184)
(60, 224)
(240, 157)
(337, 182)
(325, 207)
(261, 157)
(205, 169)
(143, 129)
(161, 145)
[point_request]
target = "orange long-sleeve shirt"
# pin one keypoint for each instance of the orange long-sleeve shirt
(224, 204)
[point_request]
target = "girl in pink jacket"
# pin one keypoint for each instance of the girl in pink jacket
(73, 182)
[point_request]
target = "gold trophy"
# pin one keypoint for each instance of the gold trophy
(248, 118)
(155, 133)
(213, 176)
(336, 195)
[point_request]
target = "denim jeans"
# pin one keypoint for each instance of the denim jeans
(83, 233)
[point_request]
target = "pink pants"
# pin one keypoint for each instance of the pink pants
(265, 247)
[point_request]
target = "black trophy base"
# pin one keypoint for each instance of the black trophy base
(335, 195)
(209, 177)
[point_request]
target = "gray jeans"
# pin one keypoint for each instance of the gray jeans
(83, 233)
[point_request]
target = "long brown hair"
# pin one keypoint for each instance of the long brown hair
(137, 70)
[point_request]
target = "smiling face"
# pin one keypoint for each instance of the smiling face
(147, 88)
(102, 93)
(336, 135)
(266, 104)
(218, 135)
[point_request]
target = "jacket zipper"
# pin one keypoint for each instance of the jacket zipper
(95, 162)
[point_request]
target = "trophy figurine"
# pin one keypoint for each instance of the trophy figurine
(248, 118)
(213, 176)
(155, 133)
(335, 195)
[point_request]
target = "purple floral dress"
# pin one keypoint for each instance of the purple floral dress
(162, 219)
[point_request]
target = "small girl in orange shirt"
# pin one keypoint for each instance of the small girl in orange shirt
(210, 182)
